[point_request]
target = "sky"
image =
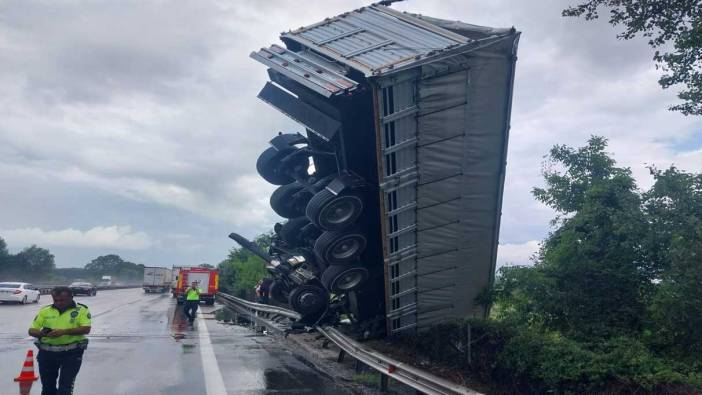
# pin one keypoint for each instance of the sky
(133, 127)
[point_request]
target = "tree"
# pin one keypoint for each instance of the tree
(663, 22)
(104, 264)
(114, 265)
(590, 278)
(4, 255)
(36, 260)
(3, 249)
(674, 208)
(242, 269)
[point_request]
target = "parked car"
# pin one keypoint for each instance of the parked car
(22, 293)
(83, 289)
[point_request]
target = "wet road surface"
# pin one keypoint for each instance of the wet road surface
(142, 344)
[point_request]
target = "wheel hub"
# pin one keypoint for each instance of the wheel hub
(346, 248)
(349, 280)
(309, 299)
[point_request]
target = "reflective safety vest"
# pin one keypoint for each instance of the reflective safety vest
(193, 294)
(74, 316)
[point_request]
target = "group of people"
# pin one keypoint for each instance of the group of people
(263, 290)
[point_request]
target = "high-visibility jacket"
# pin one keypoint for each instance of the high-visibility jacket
(74, 316)
(193, 294)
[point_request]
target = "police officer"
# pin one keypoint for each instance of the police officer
(60, 330)
(192, 301)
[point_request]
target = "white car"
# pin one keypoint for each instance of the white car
(19, 293)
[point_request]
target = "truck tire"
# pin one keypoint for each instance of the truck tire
(344, 278)
(308, 299)
(340, 247)
(271, 168)
(334, 212)
(210, 301)
(290, 200)
(291, 231)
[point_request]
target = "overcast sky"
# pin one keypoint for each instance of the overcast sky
(132, 127)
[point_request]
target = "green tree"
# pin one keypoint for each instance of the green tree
(240, 272)
(36, 260)
(674, 208)
(4, 256)
(114, 265)
(673, 27)
(590, 278)
(104, 264)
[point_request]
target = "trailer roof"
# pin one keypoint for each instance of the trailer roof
(377, 40)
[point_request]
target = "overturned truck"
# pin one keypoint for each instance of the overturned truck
(393, 193)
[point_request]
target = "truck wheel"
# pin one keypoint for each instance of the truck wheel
(344, 278)
(334, 212)
(291, 231)
(276, 292)
(308, 299)
(209, 302)
(290, 200)
(271, 168)
(340, 247)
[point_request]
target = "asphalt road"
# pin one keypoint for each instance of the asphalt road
(142, 344)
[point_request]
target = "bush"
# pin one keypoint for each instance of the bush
(526, 361)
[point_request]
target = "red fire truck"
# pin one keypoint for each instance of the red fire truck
(207, 279)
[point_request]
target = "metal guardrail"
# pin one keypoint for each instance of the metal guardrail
(260, 307)
(418, 379)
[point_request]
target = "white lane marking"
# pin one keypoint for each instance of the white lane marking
(214, 382)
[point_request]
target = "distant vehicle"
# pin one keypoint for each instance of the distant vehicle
(80, 288)
(157, 279)
(22, 293)
(106, 281)
(208, 280)
(174, 281)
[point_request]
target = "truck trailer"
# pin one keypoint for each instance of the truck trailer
(157, 279)
(393, 190)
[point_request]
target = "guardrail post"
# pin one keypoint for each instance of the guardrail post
(341, 356)
(383, 382)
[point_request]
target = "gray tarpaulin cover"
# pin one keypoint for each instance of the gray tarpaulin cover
(463, 104)
(463, 125)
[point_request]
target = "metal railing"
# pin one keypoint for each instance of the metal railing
(418, 379)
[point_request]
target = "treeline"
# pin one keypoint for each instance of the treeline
(613, 302)
(31, 263)
(241, 270)
(36, 264)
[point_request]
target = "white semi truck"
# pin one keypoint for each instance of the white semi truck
(157, 279)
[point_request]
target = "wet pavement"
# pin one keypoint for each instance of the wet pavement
(142, 344)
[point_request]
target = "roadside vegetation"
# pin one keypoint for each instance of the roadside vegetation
(36, 264)
(241, 270)
(613, 301)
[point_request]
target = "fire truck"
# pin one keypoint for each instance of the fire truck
(207, 279)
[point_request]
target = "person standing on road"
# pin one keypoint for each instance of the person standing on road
(264, 289)
(192, 301)
(60, 330)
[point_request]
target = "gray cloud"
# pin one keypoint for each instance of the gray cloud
(143, 114)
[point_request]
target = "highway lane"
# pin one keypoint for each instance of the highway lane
(142, 344)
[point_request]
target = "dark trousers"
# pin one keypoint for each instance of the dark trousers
(190, 308)
(67, 363)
